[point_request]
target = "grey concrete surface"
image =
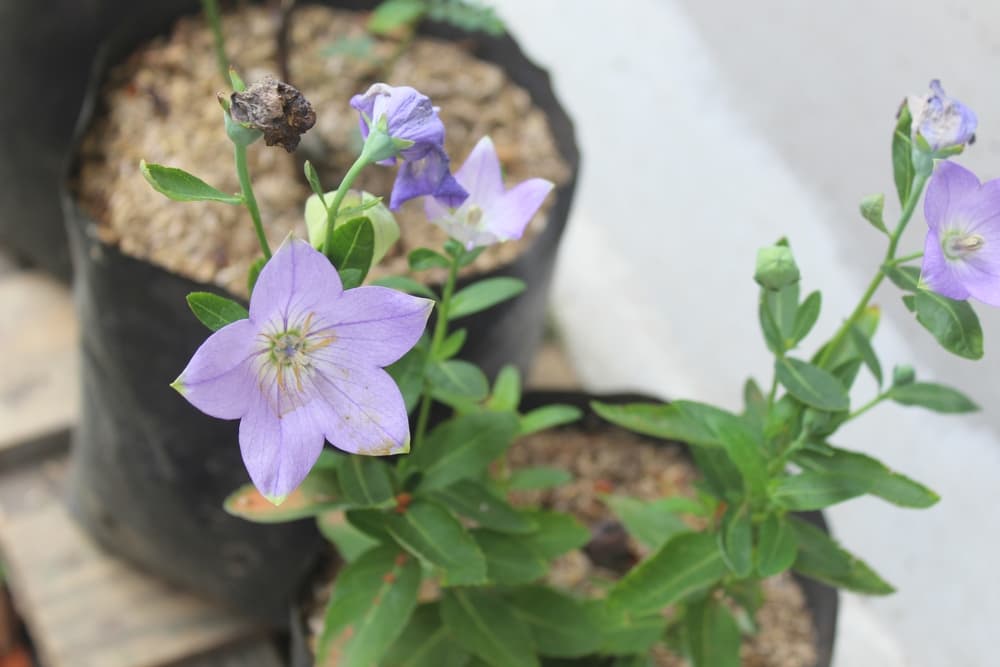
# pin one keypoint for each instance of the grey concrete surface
(711, 128)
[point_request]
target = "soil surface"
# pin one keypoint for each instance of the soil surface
(161, 107)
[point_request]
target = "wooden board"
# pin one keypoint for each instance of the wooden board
(86, 609)
(39, 384)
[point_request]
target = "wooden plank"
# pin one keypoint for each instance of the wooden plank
(39, 385)
(84, 608)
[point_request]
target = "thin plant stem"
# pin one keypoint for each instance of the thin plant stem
(214, 19)
(867, 406)
(249, 200)
(906, 258)
(331, 211)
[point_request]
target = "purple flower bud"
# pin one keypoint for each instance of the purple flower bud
(305, 367)
(962, 249)
(401, 122)
(491, 213)
(942, 121)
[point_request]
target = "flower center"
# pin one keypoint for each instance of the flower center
(288, 359)
(474, 216)
(958, 246)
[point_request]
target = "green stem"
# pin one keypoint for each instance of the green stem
(906, 258)
(248, 198)
(211, 9)
(867, 406)
(440, 329)
(331, 211)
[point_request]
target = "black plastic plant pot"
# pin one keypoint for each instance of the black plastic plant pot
(149, 472)
(822, 600)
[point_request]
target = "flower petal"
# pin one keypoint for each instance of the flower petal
(219, 379)
(364, 411)
(279, 452)
(297, 279)
(508, 217)
(978, 212)
(938, 272)
(480, 174)
(427, 176)
(371, 326)
(949, 185)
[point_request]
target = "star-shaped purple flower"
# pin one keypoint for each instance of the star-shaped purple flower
(409, 116)
(943, 121)
(491, 213)
(307, 366)
(962, 250)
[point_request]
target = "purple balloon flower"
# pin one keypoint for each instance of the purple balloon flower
(491, 213)
(943, 121)
(962, 250)
(307, 366)
(409, 116)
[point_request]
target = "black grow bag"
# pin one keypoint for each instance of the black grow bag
(149, 472)
(821, 600)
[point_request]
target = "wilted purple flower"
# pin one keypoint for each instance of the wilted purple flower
(490, 214)
(943, 121)
(306, 366)
(407, 117)
(962, 250)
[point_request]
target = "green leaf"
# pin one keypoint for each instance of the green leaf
(736, 540)
(684, 421)
(487, 626)
(457, 381)
(548, 416)
(932, 396)
(510, 561)
(876, 478)
(872, 207)
(408, 373)
(370, 522)
(372, 600)
(462, 447)
(776, 546)
(355, 204)
(813, 490)
(821, 558)
(484, 294)
(348, 540)
(353, 249)
(472, 500)
(560, 625)
(721, 477)
(435, 536)
(391, 15)
(745, 450)
(688, 562)
(255, 268)
(506, 389)
(811, 384)
(906, 278)
(953, 323)
(452, 345)
(312, 177)
(769, 326)
(306, 501)
(806, 316)
(538, 477)
(426, 642)
(468, 16)
(902, 155)
(215, 311)
(625, 634)
(650, 522)
(179, 185)
(557, 533)
(712, 636)
(365, 481)
(408, 285)
(864, 348)
(422, 259)
(754, 402)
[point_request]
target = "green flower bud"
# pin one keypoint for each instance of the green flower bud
(903, 375)
(776, 268)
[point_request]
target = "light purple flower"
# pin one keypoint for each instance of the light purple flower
(490, 214)
(943, 121)
(409, 118)
(962, 250)
(307, 366)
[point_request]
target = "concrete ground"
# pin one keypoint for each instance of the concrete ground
(711, 128)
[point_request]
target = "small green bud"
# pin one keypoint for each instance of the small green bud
(903, 375)
(240, 134)
(776, 268)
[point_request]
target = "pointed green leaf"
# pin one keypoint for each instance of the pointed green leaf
(425, 642)
(408, 373)
(685, 421)
(648, 521)
(472, 500)
(487, 626)
(215, 311)
(370, 522)
(348, 540)
(953, 323)
(435, 536)
(422, 259)
(538, 477)
(462, 447)
(806, 316)
(776, 546)
(712, 636)
(876, 478)
(811, 384)
(932, 396)
(312, 177)
(510, 560)
(365, 481)
(872, 207)
(769, 326)
(557, 533)
(548, 416)
(561, 626)
(506, 389)
(179, 185)
(736, 540)
(484, 294)
(821, 558)
(745, 449)
(408, 285)
(452, 345)
(813, 490)
(906, 278)
(254, 273)
(392, 15)
(864, 348)
(353, 250)
(457, 380)
(902, 155)
(625, 634)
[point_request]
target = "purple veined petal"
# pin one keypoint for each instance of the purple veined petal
(428, 176)
(508, 217)
(979, 211)
(219, 379)
(937, 272)
(364, 411)
(371, 326)
(480, 174)
(979, 271)
(279, 452)
(949, 185)
(298, 278)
